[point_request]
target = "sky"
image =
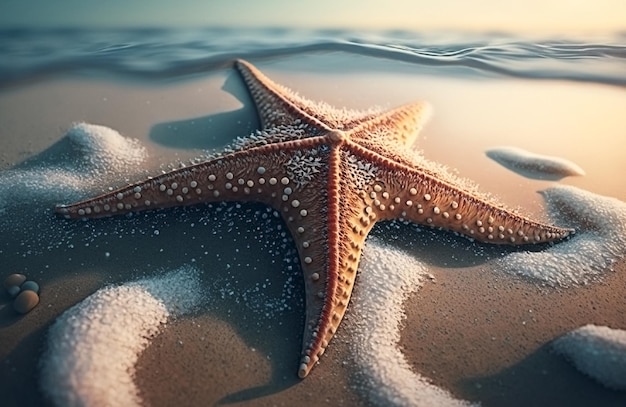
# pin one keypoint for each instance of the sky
(530, 16)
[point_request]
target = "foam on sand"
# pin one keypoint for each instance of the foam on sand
(597, 351)
(599, 242)
(85, 155)
(535, 166)
(382, 373)
(104, 149)
(93, 347)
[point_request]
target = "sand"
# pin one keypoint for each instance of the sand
(478, 333)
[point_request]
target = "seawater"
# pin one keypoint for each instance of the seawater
(149, 54)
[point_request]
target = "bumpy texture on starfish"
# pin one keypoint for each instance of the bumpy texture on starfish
(331, 174)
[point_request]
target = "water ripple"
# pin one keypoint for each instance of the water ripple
(150, 54)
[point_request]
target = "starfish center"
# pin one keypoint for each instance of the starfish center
(337, 136)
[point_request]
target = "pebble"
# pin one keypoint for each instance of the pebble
(13, 291)
(30, 286)
(26, 301)
(25, 292)
(13, 282)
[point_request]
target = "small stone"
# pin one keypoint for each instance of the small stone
(12, 282)
(13, 291)
(25, 301)
(30, 286)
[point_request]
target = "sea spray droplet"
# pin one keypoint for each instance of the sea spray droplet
(535, 166)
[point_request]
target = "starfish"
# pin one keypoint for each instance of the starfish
(331, 174)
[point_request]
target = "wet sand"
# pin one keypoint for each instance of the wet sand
(471, 331)
(492, 344)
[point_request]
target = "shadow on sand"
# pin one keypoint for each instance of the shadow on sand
(543, 378)
(214, 131)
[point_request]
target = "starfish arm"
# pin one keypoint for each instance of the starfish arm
(404, 193)
(335, 256)
(260, 174)
(318, 254)
(402, 125)
(276, 105)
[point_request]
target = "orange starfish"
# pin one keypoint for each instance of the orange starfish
(332, 174)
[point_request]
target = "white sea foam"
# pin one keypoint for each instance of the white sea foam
(597, 351)
(599, 242)
(25, 186)
(104, 149)
(382, 373)
(93, 347)
(88, 152)
(535, 166)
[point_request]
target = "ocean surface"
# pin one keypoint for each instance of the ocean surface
(166, 54)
